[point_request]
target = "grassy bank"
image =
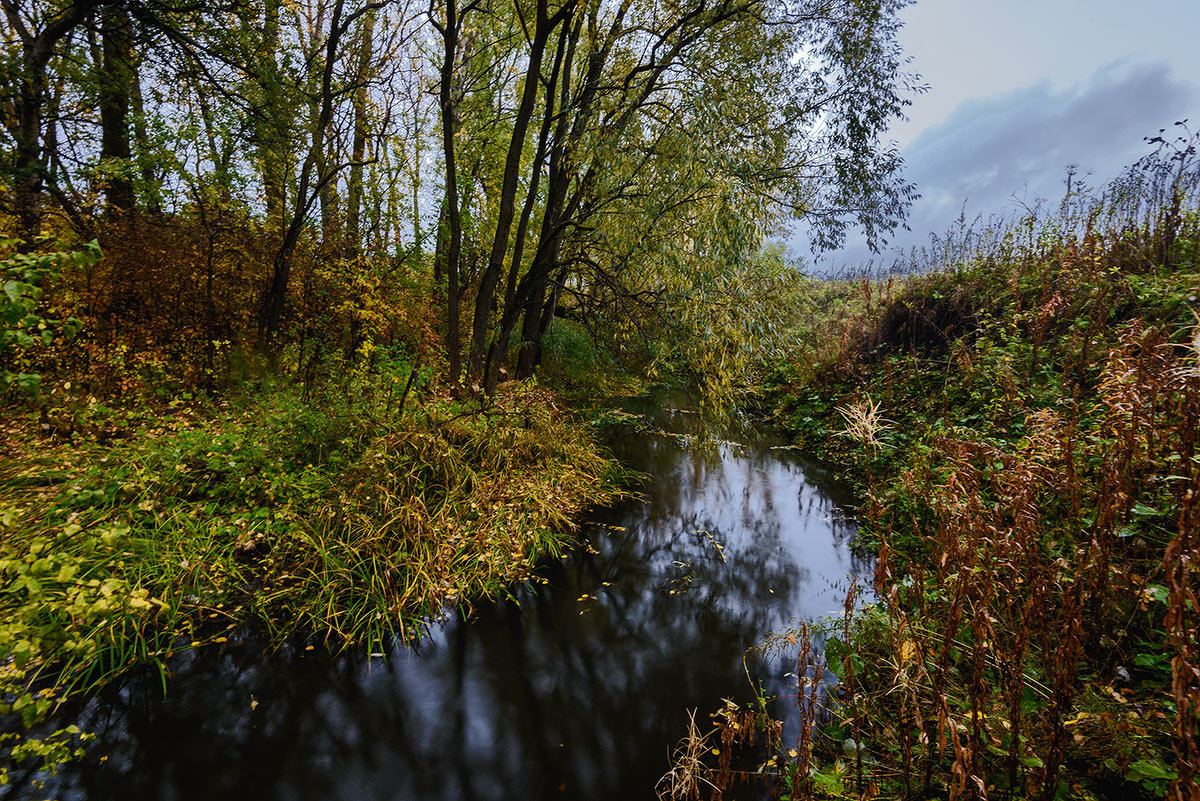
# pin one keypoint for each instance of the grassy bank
(1023, 424)
(345, 515)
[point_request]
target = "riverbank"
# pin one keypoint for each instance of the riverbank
(580, 678)
(1023, 424)
(345, 516)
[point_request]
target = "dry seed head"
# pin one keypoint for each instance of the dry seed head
(688, 775)
(864, 422)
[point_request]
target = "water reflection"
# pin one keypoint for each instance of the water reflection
(576, 689)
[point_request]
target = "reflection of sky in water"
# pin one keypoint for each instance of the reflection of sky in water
(551, 695)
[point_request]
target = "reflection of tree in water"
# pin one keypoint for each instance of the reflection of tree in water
(581, 683)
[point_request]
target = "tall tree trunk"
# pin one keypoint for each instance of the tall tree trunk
(28, 163)
(354, 190)
(271, 309)
(480, 324)
(530, 321)
(548, 313)
(497, 355)
(416, 184)
(450, 38)
(29, 169)
(327, 192)
(532, 291)
(116, 81)
(270, 126)
(439, 249)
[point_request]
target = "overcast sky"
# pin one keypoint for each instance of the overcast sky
(1019, 89)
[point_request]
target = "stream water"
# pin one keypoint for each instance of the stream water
(577, 689)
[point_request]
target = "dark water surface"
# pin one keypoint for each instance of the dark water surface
(578, 690)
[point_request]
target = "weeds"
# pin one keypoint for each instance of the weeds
(864, 423)
(1035, 519)
(1035, 516)
(688, 776)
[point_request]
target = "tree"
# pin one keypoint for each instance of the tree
(449, 244)
(117, 78)
(614, 160)
(678, 138)
(39, 30)
(318, 170)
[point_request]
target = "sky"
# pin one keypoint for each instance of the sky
(1019, 89)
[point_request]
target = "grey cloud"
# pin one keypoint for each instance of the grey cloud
(991, 152)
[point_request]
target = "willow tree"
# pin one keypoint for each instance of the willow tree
(653, 143)
(773, 115)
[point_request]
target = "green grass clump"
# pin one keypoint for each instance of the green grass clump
(344, 515)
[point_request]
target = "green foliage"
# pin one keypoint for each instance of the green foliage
(23, 322)
(69, 621)
(48, 753)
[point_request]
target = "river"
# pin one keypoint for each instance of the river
(577, 688)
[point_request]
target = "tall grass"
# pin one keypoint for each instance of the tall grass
(1032, 503)
(335, 514)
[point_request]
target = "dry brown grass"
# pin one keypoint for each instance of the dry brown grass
(689, 776)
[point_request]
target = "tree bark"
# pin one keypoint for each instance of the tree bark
(549, 240)
(270, 129)
(116, 81)
(450, 37)
(497, 355)
(354, 189)
(315, 175)
(480, 325)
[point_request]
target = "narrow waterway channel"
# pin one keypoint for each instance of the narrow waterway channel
(576, 689)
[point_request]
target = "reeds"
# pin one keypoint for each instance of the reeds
(689, 777)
